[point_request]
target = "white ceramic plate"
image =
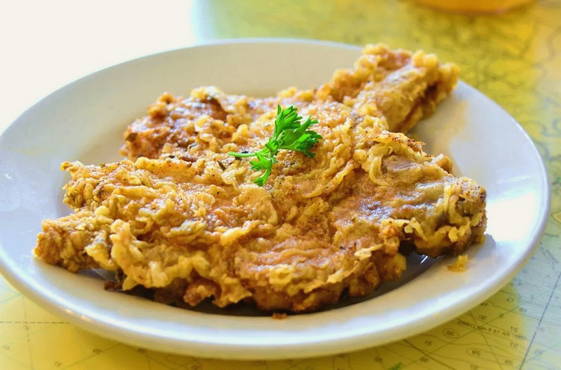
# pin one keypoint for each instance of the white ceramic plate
(84, 120)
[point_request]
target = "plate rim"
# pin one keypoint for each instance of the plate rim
(214, 349)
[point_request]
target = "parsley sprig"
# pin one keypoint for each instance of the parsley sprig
(289, 134)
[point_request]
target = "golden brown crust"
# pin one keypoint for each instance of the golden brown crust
(395, 87)
(400, 86)
(320, 227)
(460, 263)
(184, 219)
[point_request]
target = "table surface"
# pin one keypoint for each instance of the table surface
(514, 58)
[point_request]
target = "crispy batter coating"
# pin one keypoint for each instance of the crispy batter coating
(401, 86)
(183, 218)
(396, 86)
(320, 226)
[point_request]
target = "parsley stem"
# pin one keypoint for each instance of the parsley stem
(241, 155)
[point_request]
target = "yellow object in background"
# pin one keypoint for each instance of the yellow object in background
(475, 6)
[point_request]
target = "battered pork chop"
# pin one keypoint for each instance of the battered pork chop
(184, 218)
(320, 226)
(396, 86)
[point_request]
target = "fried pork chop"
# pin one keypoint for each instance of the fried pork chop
(396, 86)
(183, 218)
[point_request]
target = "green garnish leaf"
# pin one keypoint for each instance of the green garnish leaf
(289, 134)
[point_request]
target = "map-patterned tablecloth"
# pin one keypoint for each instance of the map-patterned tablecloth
(514, 58)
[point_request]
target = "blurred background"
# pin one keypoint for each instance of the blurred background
(513, 56)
